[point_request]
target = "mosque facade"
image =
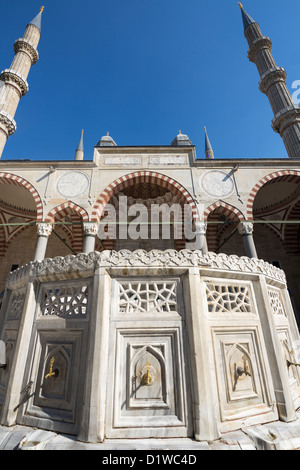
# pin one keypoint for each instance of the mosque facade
(148, 292)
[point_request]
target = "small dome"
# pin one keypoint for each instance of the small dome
(106, 141)
(181, 139)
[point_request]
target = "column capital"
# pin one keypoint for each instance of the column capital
(201, 227)
(44, 229)
(245, 228)
(90, 228)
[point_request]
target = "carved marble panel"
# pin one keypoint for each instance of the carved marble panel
(16, 304)
(53, 388)
(140, 297)
(228, 298)
(64, 300)
(290, 358)
(9, 339)
(276, 301)
(149, 383)
(242, 378)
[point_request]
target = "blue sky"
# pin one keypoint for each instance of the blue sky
(143, 70)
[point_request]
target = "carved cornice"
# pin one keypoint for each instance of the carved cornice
(286, 118)
(90, 228)
(272, 76)
(44, 229)
(257, 46)
(11, 77)
(245, 228)
(8, 122)
(84, 265)
(23, 45)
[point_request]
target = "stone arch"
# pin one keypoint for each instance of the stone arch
(212, 214)
(74, 231)
(227, 210)
(141, 177)
(64, 209)
(292, 231)
(284, 175)
(19, 181)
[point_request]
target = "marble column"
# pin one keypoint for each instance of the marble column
(44, 231)
(246, 231)
(201, 242)
(90, 230)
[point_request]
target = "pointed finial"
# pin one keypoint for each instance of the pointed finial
(247, 19)
(179, 132)
(107, 134)
(37, 21)
(209, 153)
(79, 153)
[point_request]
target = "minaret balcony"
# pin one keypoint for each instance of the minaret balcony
(285, 118)
(13, 78)
(9, 124)
(23, 45)
(258, 45)
(272, 76)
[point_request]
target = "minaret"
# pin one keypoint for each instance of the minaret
(286, 120)
(80, 150)
(209, 153)
(14, 79)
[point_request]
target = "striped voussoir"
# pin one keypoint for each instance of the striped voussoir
(74, 231)
(64, 209)
(290, 176)
(224, 209)
(212, 216)
(142, 177)
(18, 181)
(291, 231)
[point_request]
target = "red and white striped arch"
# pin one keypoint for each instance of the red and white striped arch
(74, 231)
(19, 181)
(212, 214)
(291, 176)
(64, 209)
(142, 177)
(225, 209)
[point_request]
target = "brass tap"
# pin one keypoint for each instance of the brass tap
(51, 373)
(147, 378)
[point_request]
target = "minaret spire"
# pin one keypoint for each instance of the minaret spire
(14, 79)
(209, 153)
(80, 150)
(272, 83)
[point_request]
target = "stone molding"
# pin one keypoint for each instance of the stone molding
(23, 45)
(8, 122)
(44, 229)
(12, 77)
(83, 265)
(285, 118)
(245, 228)
(258, 45)
(90, 228)
(272, 76)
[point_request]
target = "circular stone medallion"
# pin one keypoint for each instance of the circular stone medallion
(217, 183)
(73, 184)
